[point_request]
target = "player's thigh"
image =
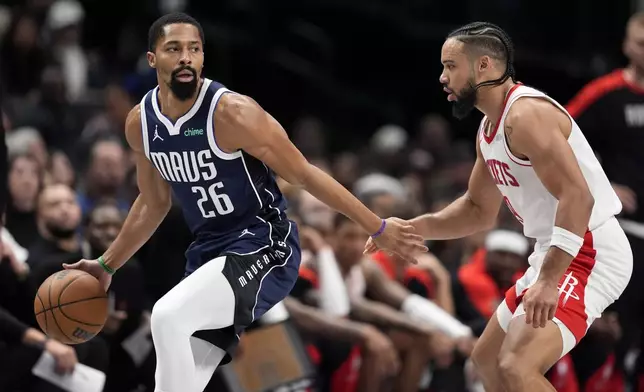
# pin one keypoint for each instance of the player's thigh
(202, 300)
(488, 346)
(531, 348)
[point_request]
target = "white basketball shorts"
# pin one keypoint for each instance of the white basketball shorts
(594, 280)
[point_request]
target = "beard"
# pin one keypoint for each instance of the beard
(183, 91)
(465, 102)
(60, 233)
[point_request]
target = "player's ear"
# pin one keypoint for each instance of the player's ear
(152, 59)
(484, 63)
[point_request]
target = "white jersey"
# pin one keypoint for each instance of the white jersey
(523, 191)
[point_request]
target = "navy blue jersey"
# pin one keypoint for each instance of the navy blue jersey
(230, 201)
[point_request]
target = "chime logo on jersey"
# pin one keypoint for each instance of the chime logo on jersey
(193, 132)
(185, 166)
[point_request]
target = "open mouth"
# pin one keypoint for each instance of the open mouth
(185, 76)
(450, 94)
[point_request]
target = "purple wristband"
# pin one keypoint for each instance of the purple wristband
(381, 230)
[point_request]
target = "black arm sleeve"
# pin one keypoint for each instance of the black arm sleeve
(11, 330)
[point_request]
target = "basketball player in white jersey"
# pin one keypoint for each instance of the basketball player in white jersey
(532, 155)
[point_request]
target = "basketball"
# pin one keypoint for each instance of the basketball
(71, 306)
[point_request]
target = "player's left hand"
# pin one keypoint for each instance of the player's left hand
(540, 303)
(399, 237)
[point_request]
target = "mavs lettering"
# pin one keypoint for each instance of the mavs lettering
(195, 167)
(501, 173)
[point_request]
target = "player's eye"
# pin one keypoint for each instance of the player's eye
(171, 49)
(195, 49)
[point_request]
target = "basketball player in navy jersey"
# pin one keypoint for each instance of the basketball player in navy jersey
(217, 151)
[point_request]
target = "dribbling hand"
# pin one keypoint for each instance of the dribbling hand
(399, 238)
(93, 268)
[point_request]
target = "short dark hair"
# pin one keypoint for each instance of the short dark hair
(483, 38)
(101, 203)
(156, 30)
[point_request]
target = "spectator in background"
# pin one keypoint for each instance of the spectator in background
(434, 137)
(314, 213)
(50, 113)
(64, 21)
(20, 348)
(59, 218)
(337, 343)
(105, 176)
(493, 269)
(127, 292)
(60, 170)
(610, 110)
(25, 182)
(21, 57)
(377, 300)
(27, 140)
(110, 122)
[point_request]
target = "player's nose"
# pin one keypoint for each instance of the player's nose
(443, 79)
(185, 58)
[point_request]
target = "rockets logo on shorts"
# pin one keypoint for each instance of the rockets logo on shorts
(567, 287)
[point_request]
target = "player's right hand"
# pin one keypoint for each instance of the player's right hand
(379, 345)
(64, 356)
(92, 267)
(399, 238)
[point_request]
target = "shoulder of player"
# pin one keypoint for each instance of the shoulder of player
(133, 132)
(530, 112)
(239, 111)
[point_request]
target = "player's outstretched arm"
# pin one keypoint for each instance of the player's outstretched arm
(146, 214)
(241, 124)
(539, 131)
(475, 211)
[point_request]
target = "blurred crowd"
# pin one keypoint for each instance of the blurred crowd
(71, 183)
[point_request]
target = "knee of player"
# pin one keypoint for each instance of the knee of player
(164, 314)
(511, 366)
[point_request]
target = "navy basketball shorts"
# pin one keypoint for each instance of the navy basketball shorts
(259, 279)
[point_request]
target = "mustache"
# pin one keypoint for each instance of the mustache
(175, 73)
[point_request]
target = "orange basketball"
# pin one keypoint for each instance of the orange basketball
(71, 306)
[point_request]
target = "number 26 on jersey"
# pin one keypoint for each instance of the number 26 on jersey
(220, 201)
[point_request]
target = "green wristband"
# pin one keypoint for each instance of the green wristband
(106, 267)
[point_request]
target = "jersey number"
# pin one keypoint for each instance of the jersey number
(222, 202)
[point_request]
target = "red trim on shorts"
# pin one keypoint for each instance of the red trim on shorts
(571, 310)
(489, 139)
